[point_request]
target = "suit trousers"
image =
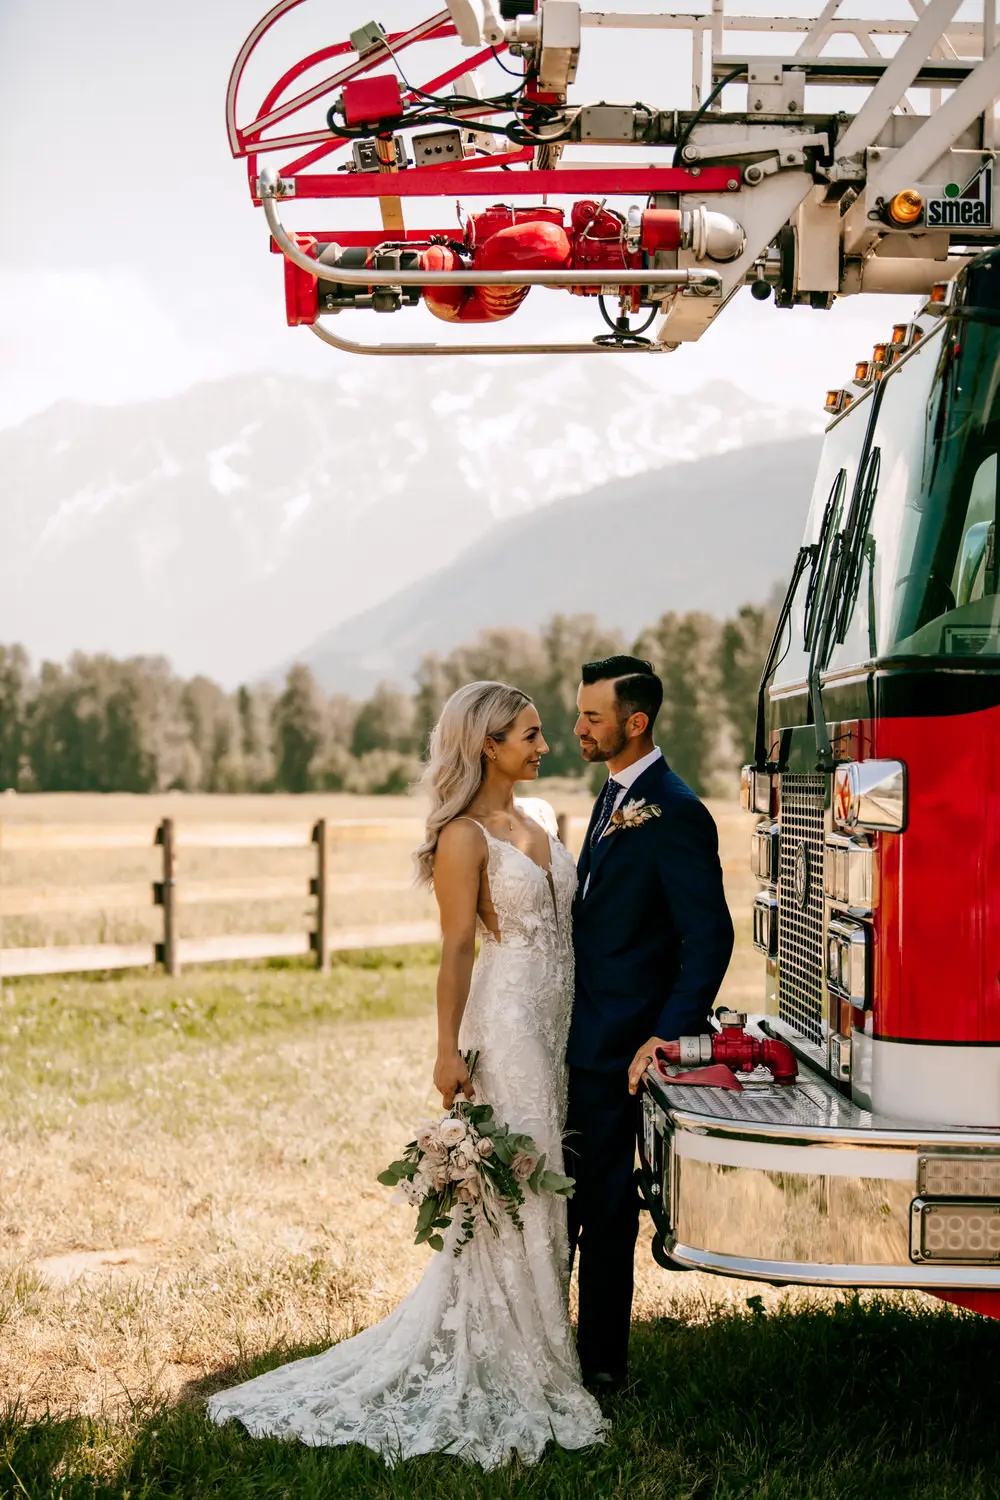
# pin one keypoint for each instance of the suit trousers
(603, 1213)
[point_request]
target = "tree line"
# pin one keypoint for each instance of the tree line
(100, 724)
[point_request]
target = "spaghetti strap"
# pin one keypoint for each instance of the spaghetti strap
(464, 818)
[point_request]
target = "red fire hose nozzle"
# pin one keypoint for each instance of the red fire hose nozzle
(733, 1047)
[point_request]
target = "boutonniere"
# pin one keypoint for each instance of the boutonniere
(632, 815)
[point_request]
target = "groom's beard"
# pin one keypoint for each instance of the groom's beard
(593, 752)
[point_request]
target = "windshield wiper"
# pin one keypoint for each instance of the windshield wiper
(805, 556)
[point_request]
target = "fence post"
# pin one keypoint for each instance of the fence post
(320, 889)
(165, 895)
(562, 828)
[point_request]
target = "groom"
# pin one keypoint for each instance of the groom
(653, 938)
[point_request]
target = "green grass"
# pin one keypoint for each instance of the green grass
(867, 1398)
(65, 1035)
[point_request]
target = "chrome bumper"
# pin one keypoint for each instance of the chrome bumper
(794, 1184)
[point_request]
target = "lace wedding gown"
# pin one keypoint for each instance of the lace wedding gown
(478, 1360)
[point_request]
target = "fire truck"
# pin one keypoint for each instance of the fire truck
(848, 1135)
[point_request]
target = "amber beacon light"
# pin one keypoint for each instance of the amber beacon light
(906, 208)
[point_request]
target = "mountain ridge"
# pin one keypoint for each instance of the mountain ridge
(683, 540)
(225, 525)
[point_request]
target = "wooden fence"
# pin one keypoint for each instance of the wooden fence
(172, 894)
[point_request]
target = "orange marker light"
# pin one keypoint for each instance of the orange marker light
(863, 371)
(939, 292)
(900, 333)
(906, 208)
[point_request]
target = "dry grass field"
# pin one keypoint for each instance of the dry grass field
(187, 1193)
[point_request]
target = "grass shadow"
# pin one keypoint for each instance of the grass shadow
(861, 1400)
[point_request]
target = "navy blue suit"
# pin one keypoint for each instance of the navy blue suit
(653, 938)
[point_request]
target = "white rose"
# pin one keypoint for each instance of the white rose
(451, 1131)
(427, 1135)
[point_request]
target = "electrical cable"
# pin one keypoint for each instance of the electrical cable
(503, 65)
(700, 114)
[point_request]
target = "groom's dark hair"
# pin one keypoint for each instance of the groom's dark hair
(637, 687)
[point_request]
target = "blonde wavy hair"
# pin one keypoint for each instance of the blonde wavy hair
(456, 762)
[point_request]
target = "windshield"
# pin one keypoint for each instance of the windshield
(920, 573)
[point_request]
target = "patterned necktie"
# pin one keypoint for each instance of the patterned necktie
(606, 808)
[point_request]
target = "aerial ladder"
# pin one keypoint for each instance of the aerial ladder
(664, 209)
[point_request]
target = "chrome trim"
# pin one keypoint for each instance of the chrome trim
(870, 794)
(805, 1273)
(353, 346)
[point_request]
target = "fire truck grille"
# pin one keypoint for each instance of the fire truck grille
(800, 926)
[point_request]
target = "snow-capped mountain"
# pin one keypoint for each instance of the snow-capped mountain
(228, 525)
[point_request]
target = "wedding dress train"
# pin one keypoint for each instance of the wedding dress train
(479, 1359)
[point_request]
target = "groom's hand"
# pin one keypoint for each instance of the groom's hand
(641, 1062)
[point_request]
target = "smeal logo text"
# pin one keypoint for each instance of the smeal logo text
(969, 207)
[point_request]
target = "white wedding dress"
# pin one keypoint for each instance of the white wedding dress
(479, 1359)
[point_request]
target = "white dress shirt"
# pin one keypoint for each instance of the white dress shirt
(632, 773)
(625, 780)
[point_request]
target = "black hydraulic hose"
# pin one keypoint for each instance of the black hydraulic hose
(700, 114)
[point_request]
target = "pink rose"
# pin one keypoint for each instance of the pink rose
(523, 1165)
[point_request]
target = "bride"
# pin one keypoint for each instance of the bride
(479, 1359)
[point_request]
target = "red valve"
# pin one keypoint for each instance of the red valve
(733, 1047)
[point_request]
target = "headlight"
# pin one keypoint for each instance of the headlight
(847, 963)
(849, 873)
(870, 794)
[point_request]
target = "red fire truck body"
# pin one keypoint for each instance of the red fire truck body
(877, 785)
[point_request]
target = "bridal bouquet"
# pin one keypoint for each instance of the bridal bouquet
(469, 1162)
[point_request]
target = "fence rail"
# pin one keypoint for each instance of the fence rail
(173, 894)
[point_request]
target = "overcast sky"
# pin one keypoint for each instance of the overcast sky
(132, 263)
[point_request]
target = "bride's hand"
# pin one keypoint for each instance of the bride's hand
(451, 1077)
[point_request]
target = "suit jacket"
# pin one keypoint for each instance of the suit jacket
(653, 935)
